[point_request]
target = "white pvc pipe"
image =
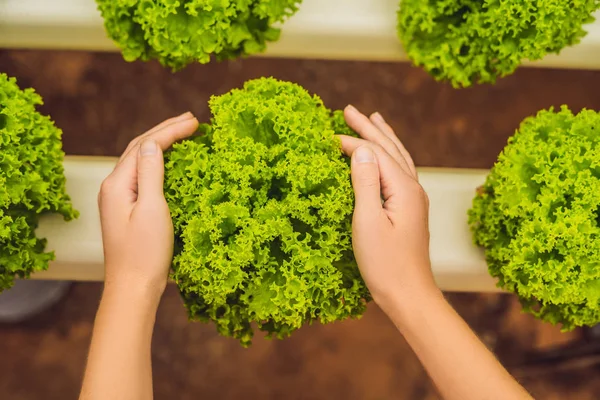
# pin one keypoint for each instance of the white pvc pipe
(329, 29)
(457, 264)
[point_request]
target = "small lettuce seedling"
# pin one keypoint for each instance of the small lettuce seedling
(538, 217)
(262, 204)
(32, 181)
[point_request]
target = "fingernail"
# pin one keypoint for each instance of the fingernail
(351, 108)
(186, 115)
(148, 148)
(378, 117)
(364, 155)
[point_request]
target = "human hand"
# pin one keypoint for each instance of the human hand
(137, 231)
(390, 237)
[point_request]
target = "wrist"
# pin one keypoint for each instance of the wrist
(404, 301)
(138, 292)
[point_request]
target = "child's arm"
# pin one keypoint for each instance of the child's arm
(137, 234)
(391, 244)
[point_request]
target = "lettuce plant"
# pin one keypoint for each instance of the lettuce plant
(32, 181)
(262, 204)
(178, 33)
(477, 41)
(538, 217)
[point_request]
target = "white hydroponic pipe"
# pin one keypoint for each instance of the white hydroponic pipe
(329, 29)
(457, 264)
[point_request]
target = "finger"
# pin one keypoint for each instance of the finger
(387, 130)
(166, 136)
(118, 193)
(164, 124)
(391, 176)
(125, 174)
(151, 171)
(365, 180)
(170, 121)
(365, 128)
(123, 181)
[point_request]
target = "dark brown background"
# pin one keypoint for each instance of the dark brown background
(101, 103)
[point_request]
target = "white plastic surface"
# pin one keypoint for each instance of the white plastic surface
(78, 243)
(332, 29)
(457, 264)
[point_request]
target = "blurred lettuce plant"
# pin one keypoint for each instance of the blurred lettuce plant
(538, 217)
(32, 181)
(477, 41)
(179, 32)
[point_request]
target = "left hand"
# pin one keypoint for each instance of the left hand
(137, 231)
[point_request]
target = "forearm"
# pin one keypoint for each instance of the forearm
(119, 361)
(458, 362)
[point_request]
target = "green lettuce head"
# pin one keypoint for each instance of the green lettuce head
(538, 217)
(262, 205)
(177, 33)
(32, 181)
(476, 41)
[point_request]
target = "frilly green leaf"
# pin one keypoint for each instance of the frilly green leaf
(538, 217)
(32, 181)
(262, 205)
(177, 33)
(477, 41)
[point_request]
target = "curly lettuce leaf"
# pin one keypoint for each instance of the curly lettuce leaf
(262, 205)
(32, 181)
(538, 217)
(177, 33)
(473, 41)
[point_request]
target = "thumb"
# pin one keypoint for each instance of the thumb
(151, 170)
(365, 179)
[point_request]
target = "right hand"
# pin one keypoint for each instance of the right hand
(390, 225)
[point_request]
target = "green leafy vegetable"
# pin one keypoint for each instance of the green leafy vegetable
(538, 217)
(32, 181)
(476, 41)
(178, 33)
(262, 205)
